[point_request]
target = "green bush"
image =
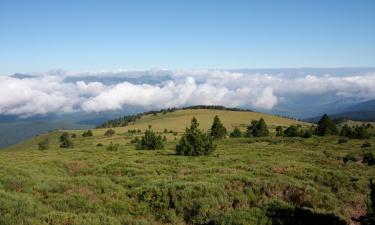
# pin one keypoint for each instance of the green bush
(218, 130)
(370, 217)
(236, 133)
(279, 131)
(87, 133)
(292, 131)
(109, 132)
(112, 147)
(66, 141)
(350, 157)
(342, 140)
(346, 131)
(194, 142)
(134, 140)
(150, 141)
(257, 128)
(43, 144)
(366, 145)
(99, 144)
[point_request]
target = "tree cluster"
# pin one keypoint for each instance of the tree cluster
(66, 140)
(150, 141)
(194, 142)
(357, 132)
(257, 128)
(87, 133)
(293, 131)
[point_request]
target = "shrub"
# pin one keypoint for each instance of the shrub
(369, 158)
(279, 131)
(112, 147)
(150, 141)
(43, 144)
(218, 130)
(307, 133)
(74, 135)
(326, 126)
(236, 133)
(366, 145)
(109, 132)
(370, 217)
(292, 131)
(342, 140)
(350, 157)
(165, 130)
(87, 133)
(194, 142)
(66, 141)
(257, 128)
(99, 144)
(360, 132)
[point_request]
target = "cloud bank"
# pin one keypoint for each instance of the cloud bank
(54, 93)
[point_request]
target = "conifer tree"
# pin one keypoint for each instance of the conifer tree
(218, 131)
(326, 126)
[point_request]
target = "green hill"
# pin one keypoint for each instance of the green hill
(269, 180)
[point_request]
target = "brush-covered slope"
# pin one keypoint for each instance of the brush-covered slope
(246, 181)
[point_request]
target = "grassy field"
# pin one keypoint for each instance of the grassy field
(247, 180)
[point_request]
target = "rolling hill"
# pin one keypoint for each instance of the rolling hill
(268, 180)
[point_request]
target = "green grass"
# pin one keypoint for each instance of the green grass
(246, 181)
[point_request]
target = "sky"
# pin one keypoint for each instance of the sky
(44, 35)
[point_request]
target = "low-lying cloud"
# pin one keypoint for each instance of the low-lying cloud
(53, 93)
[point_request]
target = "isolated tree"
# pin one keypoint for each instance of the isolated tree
(257, 128)
(109, 132)
(194, 142)
(87, 133)
(236, 133)
(150, 141)
(43, 144)
(218, 130)
(279, 131)
(326, 126)
(66, 141)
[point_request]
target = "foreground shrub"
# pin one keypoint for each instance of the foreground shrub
(109, 132)
(66, 141)
(326, 126)
(218, 130)
(194, 142)
(370, 217)
(150, 141)
(43, 144)
(112, 147)
(342, 140)
(369, 158)
(87, 133)
(236, 133)
(350, 157)
(257, 128)
(366, 145)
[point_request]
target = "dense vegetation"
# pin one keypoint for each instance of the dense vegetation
(261, 179)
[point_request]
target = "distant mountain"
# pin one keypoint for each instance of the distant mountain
(364, 111)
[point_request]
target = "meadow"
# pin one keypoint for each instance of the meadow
(269, 180)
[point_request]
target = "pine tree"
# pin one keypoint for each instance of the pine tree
(326, 126)
(218, 131)
(236, 133)
(194, 143)
(150, 141)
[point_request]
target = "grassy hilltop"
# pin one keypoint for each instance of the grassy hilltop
(270, 180)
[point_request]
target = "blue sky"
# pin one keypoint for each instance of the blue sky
(95, 35)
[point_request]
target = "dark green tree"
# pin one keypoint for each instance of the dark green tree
(43, 144)
(326, 126)
(66, 141)
(360, 132)
(150, 141)
(218, 130)
(194, 142)
(292, 131)
(236, 133)
(257, 128)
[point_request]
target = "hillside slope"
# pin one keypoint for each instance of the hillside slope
(179, 119)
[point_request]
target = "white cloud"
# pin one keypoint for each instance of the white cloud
(49, 93)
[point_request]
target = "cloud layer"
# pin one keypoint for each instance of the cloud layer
(53, 93)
